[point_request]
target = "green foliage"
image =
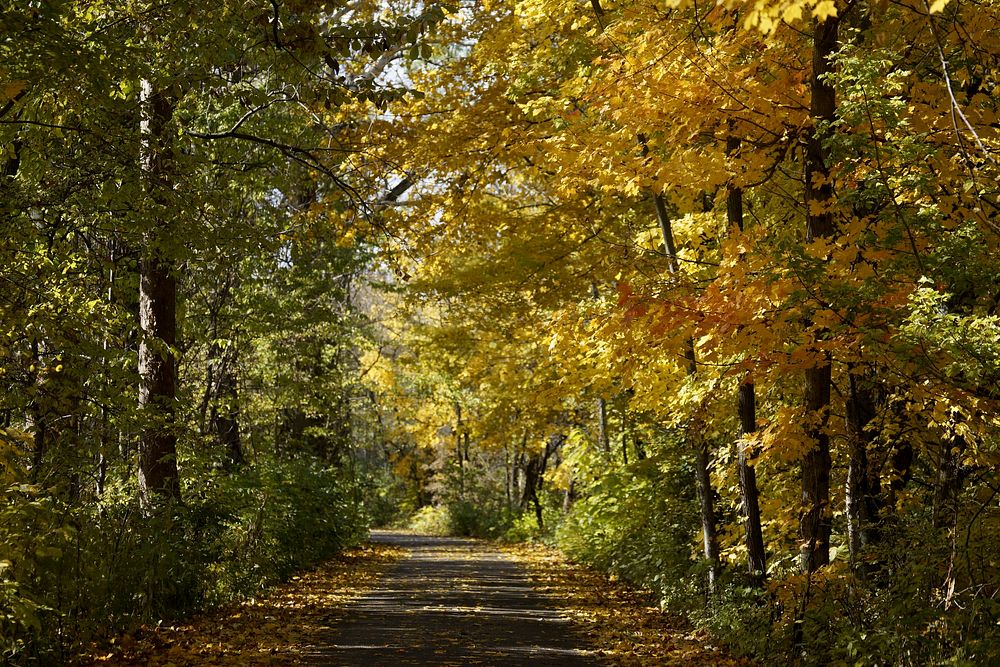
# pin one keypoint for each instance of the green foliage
(475, 501)
(431, 520)
(383, 498)
(471, 519)
(276, 518)
(921, 606)
(69, 572)
(638, 522)
(524, 528)
(741, 618)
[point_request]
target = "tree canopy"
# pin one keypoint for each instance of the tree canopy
(706, 294)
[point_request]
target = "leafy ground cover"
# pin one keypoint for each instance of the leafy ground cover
(277, 628)
(624, 622)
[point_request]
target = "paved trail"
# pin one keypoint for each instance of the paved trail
(452, 602)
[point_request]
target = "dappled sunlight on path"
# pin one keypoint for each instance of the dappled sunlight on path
(452, 602)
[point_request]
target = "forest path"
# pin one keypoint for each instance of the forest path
(451, 601)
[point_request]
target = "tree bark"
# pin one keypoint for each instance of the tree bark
(750, 496)
(224, 419)
(815, 519)
(458, 450)
(37, 413)
(220, 410)
(532, 476)
(703, 477)
(602, 426)
(158, 476)
(862, 492)
(747, 407)
(624, 414)
(948, 483)
(706, 504)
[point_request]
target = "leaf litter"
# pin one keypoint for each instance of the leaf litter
(278, 628)
(625, 624)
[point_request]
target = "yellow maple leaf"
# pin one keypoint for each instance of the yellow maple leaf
(825, 9)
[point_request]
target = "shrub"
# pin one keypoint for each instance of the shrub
(431, 520)
(69, 573)
(638, 522)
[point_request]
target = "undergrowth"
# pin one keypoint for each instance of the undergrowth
(70, 572)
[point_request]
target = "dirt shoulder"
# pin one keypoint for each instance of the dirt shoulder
(626, 625)
(280, 628)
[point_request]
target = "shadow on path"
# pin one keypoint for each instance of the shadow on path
(451, 601)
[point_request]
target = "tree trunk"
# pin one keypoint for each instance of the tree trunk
(158, 475)
(862, 492)
(747, 407)
(221, 399)
(224, 419)
(570, 496)
(508, 477)
(532, 475)
(37, 416)
(750, 497)
(703, 477)
(710, 540)
(624, 435)
(948, 483)
(815, 519)
(640, 448)
(602, 426)
(458, 450)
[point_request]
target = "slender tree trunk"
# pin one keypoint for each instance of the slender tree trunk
(710, 540)
(532, 475)
(37, 412)
(863, 490)
(703, 477)
(602, 426)
(640, 449)
(508, 477)
(816, 518)
(220, 409)
(224, 419)
(747, 407)
(570, 497)
(603, 437)
(624, 435)
(104, 443)
(158, 474)
(458, 450)
(756, 555)
(949, 482)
